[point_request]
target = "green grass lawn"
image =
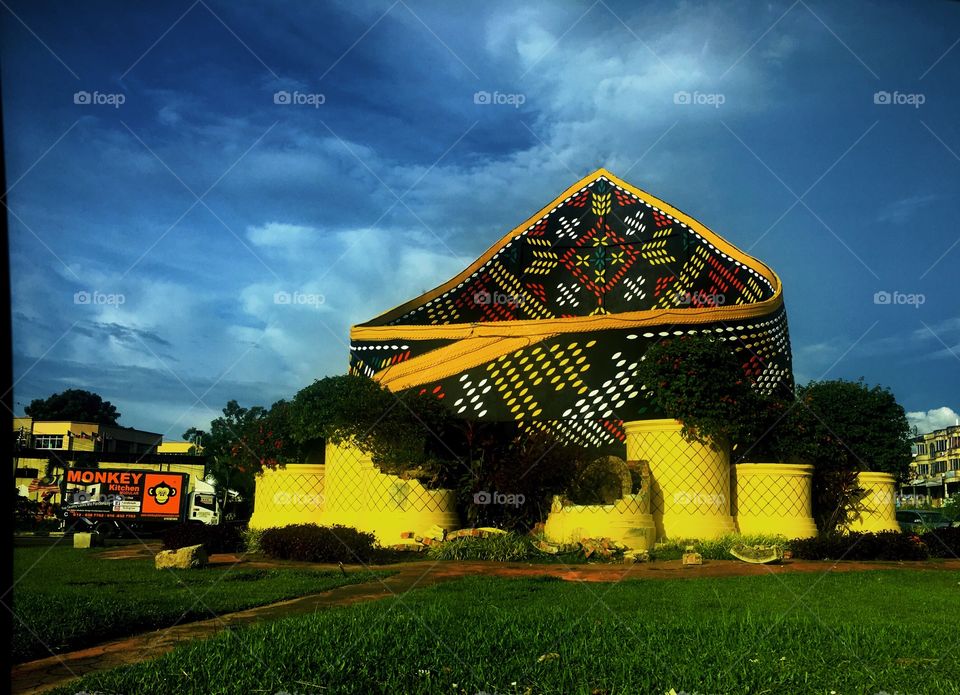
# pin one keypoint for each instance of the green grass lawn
(69, 598)
(868, 632)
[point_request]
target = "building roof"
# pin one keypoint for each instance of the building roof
(584, 285)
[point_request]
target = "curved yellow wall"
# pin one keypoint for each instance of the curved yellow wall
(775, 499)
(293, 494)
(359, 495)
(877, 511)
(691, 482)
(628, 521)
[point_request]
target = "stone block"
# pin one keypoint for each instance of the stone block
(87, 540)
(191, 557)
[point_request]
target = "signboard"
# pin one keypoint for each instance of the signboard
(124, 494)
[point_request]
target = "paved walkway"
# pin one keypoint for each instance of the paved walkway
(45, 674)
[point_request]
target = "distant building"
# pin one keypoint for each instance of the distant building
(178, 447)
(36, 479)
(935, 469)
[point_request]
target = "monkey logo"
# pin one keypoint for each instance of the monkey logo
(162, 492)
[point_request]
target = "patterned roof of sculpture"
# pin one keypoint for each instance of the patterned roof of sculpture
(567, 303)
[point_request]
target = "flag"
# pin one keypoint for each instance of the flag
(38, 485)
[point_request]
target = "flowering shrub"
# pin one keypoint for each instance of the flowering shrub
(699, 381)
(312, 543)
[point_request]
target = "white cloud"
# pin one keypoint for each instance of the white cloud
(933, 419)
(291, 238)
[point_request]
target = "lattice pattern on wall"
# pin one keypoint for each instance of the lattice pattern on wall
(390, 493)
(286, 489)
(355, 485)
(695, 485)
(771, 495)
(345, 481)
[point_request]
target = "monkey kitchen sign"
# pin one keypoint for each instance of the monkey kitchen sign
(106, 494)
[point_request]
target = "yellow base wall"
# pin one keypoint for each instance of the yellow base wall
(628, 521)
(691, 482)
(359, 495)
(290, 495)
(877, 511)
(774, 499)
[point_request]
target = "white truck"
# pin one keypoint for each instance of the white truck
(114, 501)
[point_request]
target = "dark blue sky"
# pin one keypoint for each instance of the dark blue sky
(399, 179)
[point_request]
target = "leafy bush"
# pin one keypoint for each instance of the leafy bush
(507, 458)
(312, 543)
(951, 508)
(698, 380)
(601, 482)
(843, 427)
(506, 547)
(226, 538)
(886, 545)
(943, 542)
(251, 540)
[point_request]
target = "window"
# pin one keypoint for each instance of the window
(923, 469)
(955, 442)
(940, 445)
(955, 464)
(921, 449)
(48, 441)
(939, 467)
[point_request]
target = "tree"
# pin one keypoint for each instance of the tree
(403, 433)
(524, 463)
(844, 427)
(196, 437)
(74, 404)
(244, 441)
(698, 380)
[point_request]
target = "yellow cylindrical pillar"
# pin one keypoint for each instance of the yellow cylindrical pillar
(774, 499)
(877, 511)
(691, 482)
(293, 494)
